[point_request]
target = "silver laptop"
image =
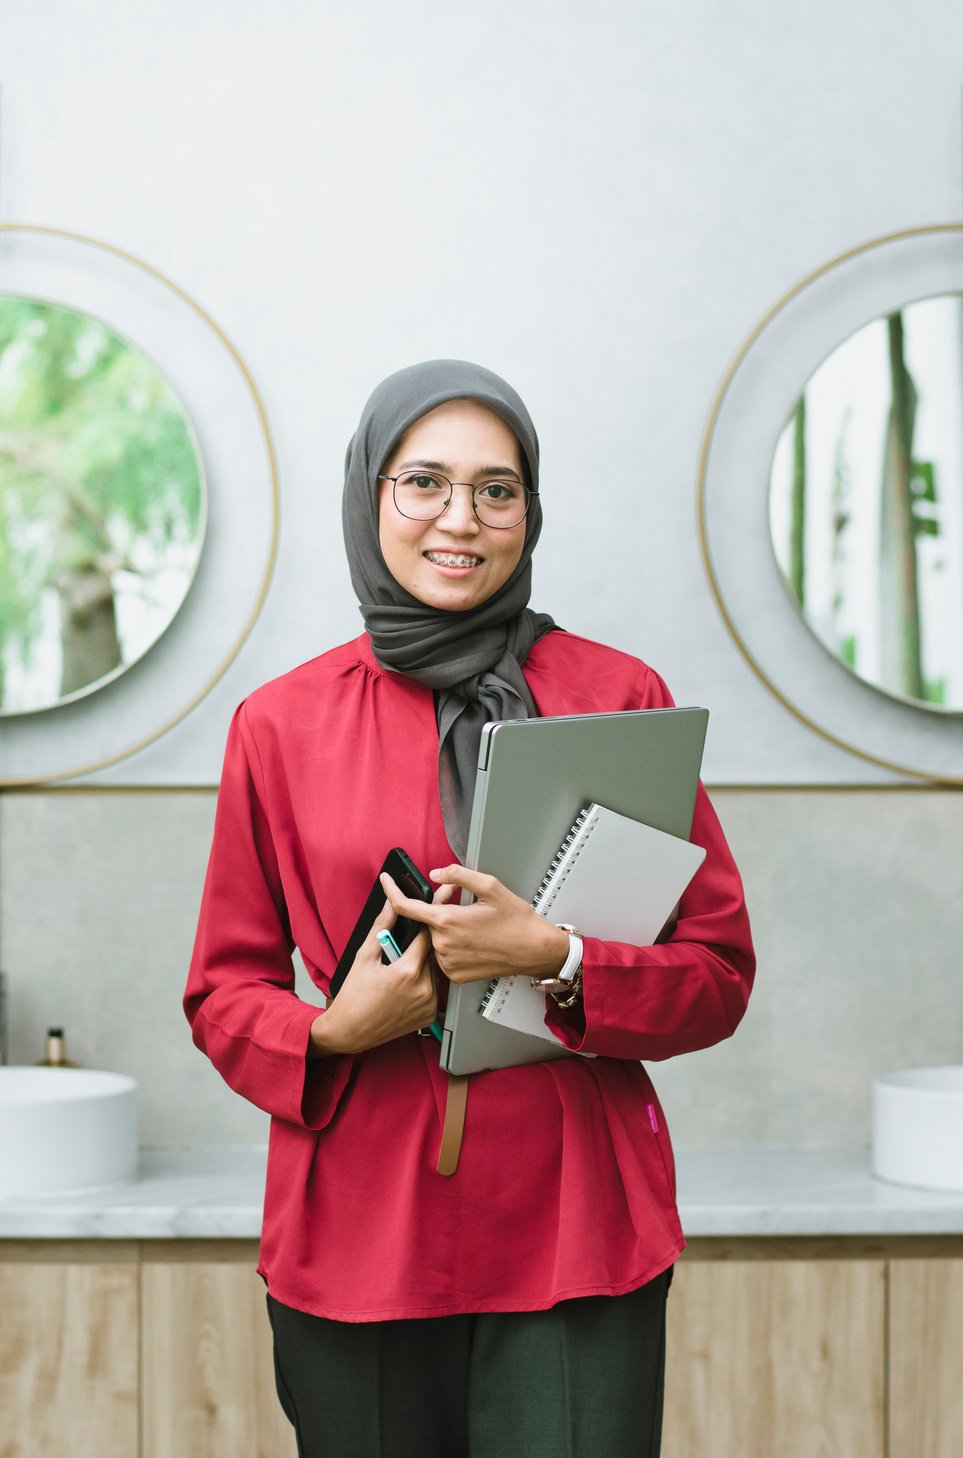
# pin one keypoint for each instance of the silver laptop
(534, 776)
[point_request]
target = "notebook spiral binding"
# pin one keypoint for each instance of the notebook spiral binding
(552, 878)
(499, 987)
(542, 901)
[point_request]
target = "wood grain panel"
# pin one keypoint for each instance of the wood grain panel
(776, 1358)
(209, 1250)
(208, 1372)
(820, 1247)
(75, 1252)
(68, 1360)
(926, 1358)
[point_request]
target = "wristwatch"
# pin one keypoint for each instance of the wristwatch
(565, 987)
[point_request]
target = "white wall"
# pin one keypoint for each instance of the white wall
(597, 201)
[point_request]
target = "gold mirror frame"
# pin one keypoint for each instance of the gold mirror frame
(705, 450)
(111, 249)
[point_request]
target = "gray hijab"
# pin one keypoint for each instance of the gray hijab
(471, 659)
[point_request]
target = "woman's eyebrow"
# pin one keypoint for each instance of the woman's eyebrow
(500, 471)
(445, 468)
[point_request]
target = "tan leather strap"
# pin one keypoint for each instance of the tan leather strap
(455, 1101)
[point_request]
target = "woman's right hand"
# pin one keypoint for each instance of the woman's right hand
(377, 1003)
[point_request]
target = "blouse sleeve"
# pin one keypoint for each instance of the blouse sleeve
(240, 998)
(682, 994)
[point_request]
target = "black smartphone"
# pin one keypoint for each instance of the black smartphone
(403, 871)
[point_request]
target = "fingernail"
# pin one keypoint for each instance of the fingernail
(435, 875)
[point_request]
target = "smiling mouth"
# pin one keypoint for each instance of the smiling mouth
(453, 559)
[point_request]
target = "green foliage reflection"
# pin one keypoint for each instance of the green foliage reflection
(101, 503)
(866, 506)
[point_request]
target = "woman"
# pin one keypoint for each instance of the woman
(516, 1304)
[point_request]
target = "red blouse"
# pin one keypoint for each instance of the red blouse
(565, 1185)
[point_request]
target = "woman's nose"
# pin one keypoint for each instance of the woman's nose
(459, 515)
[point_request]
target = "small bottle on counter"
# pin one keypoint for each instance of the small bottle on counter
(55, 1051)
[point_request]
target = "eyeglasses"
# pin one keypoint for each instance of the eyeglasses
(423, 495)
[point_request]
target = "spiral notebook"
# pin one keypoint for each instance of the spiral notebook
(613, 877)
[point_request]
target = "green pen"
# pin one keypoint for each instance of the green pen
(389, 946)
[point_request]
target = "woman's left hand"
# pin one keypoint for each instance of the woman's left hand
(497, 935)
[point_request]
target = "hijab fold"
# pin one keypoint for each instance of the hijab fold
(473, 660)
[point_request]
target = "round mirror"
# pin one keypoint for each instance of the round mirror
(866, 503)
(103, 504)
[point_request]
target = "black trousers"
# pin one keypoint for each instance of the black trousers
(581, 1380)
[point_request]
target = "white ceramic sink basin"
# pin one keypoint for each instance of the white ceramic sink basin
(65, 1129)
(918, 1127)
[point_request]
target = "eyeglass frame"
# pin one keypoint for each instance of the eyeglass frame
(530, 491)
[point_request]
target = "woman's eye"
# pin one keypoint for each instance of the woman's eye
(423, 482)
(500, 491)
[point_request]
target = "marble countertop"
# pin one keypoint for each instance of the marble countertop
(216, 1191)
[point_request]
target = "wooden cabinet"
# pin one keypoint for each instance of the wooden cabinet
(925, 1357)
(207, 1356)
(782, 1356)
(809, 1348)
(816, 1348)
(128, 1349)
(69, 1366)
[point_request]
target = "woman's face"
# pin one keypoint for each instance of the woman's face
(454, 562)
